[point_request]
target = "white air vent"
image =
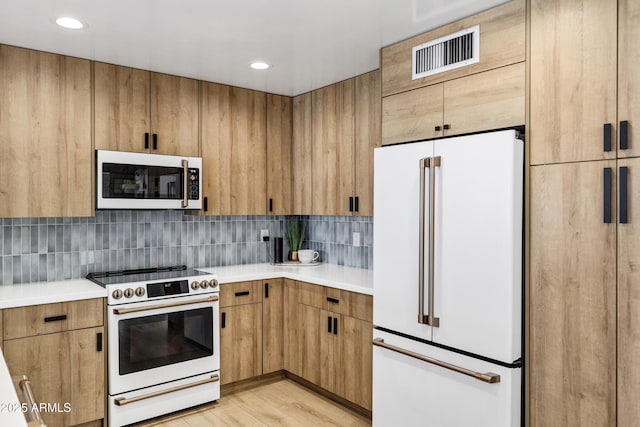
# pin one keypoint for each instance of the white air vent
(447, 53)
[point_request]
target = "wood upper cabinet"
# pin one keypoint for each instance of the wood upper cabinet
(367, 137)
(60, 347)
(302, 163)
(272, 325)
(502, 42)
(573, 79)
(628, 292)
(279, 155)
(490, 100)
(234, 150)
(140, 111)
(573, 296)
(45, 135)
(333, 121)
(628, 72)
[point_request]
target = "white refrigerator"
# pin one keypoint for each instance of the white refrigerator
(447, 312)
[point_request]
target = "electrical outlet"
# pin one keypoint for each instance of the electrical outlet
(356, 239)
(264, 235)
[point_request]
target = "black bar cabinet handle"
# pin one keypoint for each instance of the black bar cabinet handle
(607, 137)
(155, 141)
(266, 290)
(447, 127)
(270, 205)
(99, 342)
(333, 300)
(242, 294)
(607, 195)
(438, 128)
(223, 322)
(624, 135)
(206, 204)
(335, 326)
(329, 324)
(351, 204)
(55, 318)
(622, 179)
(357, 204)
(146, 140)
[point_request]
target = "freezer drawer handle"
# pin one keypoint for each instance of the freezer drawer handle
(155, 307)
(429, 319)
(121, 401)
(488, 377)
(30, 402)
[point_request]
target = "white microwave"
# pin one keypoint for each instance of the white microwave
(147, 181)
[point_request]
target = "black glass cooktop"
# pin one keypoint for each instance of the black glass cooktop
(143, 275)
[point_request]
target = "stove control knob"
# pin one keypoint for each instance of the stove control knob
(117, 294)
(128, 293)
(213, 283)
(140, 291)
(195, 285)
(203, 284)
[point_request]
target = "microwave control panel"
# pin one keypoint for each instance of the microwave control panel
(194, 184)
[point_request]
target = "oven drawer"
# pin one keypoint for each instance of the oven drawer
(239, 293)
(48, 318)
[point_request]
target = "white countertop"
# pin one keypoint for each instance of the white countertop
(10, 410)
(334, 276)
(49, 292)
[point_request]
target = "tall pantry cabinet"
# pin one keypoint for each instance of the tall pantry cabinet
(585, 176)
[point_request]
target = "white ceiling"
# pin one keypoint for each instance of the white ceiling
(309, 43)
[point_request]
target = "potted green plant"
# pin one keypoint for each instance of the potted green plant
(296, 229)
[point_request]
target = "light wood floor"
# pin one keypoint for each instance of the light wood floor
(282, 403)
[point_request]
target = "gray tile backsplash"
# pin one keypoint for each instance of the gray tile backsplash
(49, 249)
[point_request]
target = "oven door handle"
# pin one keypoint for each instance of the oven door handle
(155, 307)
(121, 401)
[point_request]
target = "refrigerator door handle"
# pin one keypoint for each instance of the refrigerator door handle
(431, 163)
(487, 377)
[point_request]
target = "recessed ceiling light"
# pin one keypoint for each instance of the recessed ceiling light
(70, 23)
(259, 65)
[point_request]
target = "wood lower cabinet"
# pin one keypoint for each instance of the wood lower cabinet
(356, 353)
(240, 342)
(573, 296)
(273, 316)
(45, 135)
(629, 293)
(145, 112)
(64, 367)
(290, 333)
(234, 150)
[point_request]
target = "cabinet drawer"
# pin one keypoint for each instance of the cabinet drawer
(48, 318)
(240, 293)
(313, 295)
(350, 304)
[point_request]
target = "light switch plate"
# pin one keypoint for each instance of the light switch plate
(356, 239)
(264, 235)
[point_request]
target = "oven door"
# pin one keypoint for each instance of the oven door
(147, 181)
(153, 342)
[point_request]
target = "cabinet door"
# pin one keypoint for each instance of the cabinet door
(121, 108)
(491, 100)
(273, 325)
(354, 379)
(234, 150)
(367, 110)
(240, 342)
(629, 295)
(412, 116)
(628, 72)
(279, 146)
(332, 149)
(45, 134)
(316, 346)
(63, 368)
(291, 320)
(301, 169)
(573, 79)
(174, 115)
(572, 296)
